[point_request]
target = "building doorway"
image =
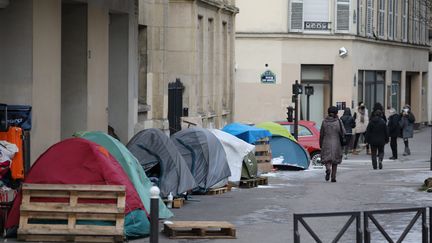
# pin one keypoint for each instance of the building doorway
(408, 83)
(320, 78)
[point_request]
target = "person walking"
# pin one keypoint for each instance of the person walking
(377, 137)
(394, 132)
(361, 118)
(331, 133)
(378, 106)
(407, 125)
(349, 123)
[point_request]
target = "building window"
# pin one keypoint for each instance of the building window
(381, 18)
(374, 87)
(342, 15)
(405, 20)
(310, 15)
(390, 19)
(415, 29)
(360, 81)
(369, 17)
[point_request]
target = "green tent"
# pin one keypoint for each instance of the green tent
(249, 166)
(131, 166)
(276, 129)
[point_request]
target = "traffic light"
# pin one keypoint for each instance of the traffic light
(290, 114)
(297, 88)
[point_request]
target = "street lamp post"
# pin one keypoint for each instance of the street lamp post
(154, 214)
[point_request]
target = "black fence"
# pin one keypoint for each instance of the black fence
(364, 235)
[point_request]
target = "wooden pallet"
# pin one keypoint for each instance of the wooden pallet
(263, 151)
(53, 212)
(176, 203)
(250, 183)
(200, 230)
(218, 191)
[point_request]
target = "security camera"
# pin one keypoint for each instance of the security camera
(343, 52)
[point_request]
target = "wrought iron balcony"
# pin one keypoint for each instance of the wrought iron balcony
(316, 25)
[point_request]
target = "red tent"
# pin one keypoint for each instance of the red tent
(78, 161)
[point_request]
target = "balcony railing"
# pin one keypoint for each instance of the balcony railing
(316, 25)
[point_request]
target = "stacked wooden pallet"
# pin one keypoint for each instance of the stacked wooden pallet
(220, 190)
(250, 183)
(263, 155)
(199, 230)
(79, 213)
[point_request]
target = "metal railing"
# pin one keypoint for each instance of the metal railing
(367, 216)
(354, 216)
(419, 212)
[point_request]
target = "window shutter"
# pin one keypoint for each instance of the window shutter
(296, 16)
(369, 17)
(342, 15)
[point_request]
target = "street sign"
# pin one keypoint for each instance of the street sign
(268, 77)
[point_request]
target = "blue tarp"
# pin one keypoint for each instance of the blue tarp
(247, 133)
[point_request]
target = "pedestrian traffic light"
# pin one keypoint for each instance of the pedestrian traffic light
(297, 88)
(290, 114)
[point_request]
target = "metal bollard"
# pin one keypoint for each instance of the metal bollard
(154, 214)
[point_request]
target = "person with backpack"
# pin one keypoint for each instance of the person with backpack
(377, 137)
(394, 132)
(349, 123)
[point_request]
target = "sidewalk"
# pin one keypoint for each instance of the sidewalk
(420, 146)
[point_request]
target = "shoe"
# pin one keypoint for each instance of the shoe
(346, 157)
(333, 180)
(406, 151)
(327, 176)
(355, 152)
(393, 158)
(380, 165)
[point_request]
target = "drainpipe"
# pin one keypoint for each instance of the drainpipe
(358, 18)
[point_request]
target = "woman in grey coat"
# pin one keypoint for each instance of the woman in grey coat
(407, 126)
(331, 148)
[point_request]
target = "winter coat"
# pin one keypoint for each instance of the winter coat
(393, 126)
(407, 125)
(361, 126)
(376, 132)
(331, 149)
(348, 121)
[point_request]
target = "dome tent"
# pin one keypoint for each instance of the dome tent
(130, 165)
(78, 161)
(236, 150)
(159, 156)
(285, 149)
(204, 156)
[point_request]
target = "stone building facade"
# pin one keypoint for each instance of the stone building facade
(348, 51)
(192, 41)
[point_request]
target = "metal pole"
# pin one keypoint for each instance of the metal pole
(296, 117)
(307, 107)
(154, 214)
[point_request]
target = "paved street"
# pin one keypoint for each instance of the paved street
(265, 214)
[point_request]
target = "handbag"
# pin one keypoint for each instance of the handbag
(342, 138)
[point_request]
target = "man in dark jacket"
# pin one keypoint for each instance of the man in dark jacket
(394, 132)
(349, 123)
(377, 137)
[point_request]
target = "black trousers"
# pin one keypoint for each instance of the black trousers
(393, 146)
(356, 140)
(374, 150)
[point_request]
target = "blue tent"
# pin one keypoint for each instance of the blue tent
(247, 133)
(286, 152)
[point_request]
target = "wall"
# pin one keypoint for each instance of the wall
(46, 91)
(16, 32)
(271, 17)
(74, 90)
(97, 74)
(118, 75)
